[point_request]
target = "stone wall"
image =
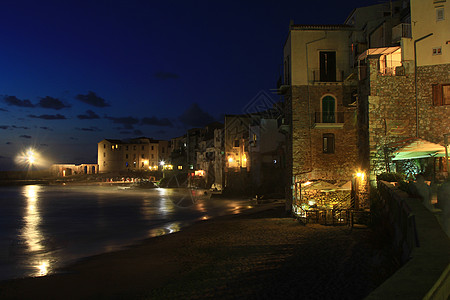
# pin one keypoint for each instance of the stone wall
(309, 161)
(391, 109)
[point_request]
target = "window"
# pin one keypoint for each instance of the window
(143, 147)
(126, 155)
(142, 156)
(126, 147)
(126, 165)
(441, 94)
(440, 14)
(236, 143)
(134, 156)
(328, 143)
(134, 147)
(328, 110)
(104, 146)
(104, 154)
(180, 167)
(153, 156)
(327, 60)
(152, 148)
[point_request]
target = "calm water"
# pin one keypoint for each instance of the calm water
(43, 228)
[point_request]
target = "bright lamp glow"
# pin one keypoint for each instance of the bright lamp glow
(29, 158)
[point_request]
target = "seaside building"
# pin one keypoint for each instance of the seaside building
(136, 154)
(320, 93)
(404, 92)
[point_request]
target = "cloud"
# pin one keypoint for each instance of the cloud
(137, 132)
(2, 109)
(156, 122)
(4, 126)
(20, 127)
(53, 103)
(89, 115)
(48, 117)
(126, 122)
(14, 101)
(165, 75)
(25, 136)
(92, 99)
(195, 116)
(92, 128)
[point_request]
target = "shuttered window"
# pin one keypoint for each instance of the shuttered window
(441, 94)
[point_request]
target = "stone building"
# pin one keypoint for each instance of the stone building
(136, 154)
(404, 89)
(319, 89)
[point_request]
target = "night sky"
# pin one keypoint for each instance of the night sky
(75, 72)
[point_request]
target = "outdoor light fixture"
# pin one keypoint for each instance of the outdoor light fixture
(230, 159)
(162, 163)
(360, 175)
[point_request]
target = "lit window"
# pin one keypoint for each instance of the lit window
(328, 143)
(112, 146)
(180, 167)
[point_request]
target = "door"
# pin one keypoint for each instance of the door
(328, 110)
(327, 66)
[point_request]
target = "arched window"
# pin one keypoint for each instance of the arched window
(328, 109)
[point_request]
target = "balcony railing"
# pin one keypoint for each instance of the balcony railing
(318, 76)
(328, 119)
(402, 30)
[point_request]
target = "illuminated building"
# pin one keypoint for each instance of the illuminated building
(135, 154)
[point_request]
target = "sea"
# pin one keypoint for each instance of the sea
(44, 228)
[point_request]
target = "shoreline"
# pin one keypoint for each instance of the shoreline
(240, 255)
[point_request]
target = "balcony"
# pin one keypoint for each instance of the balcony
(320, 77)
(325, 119)
(402, 30)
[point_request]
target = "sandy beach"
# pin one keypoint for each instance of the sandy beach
(260, 254)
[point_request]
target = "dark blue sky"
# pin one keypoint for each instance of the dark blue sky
(75, 72)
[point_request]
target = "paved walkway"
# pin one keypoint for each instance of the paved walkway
(261, 255)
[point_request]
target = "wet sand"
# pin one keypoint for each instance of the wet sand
(260, 254)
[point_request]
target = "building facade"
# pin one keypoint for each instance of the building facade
(319, 88)
(136, 154)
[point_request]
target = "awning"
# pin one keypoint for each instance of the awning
(418, 148)
(379, 51)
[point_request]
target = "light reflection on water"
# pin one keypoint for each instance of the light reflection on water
(31, 233)
(48, 227)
